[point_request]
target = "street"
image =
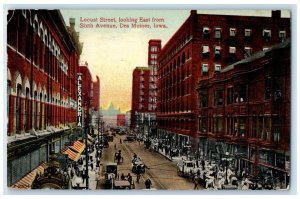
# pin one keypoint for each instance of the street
(161, 171)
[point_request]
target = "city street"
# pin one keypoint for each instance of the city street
(161, 171)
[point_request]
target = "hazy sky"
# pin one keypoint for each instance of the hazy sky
(113, 53)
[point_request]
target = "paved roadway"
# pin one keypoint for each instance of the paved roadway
(161, 171)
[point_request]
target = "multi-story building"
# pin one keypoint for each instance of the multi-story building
(244, 111)
(140, 95)
(127, 119)
(199, 49)
(90, 96)
(121, 120)
(42, 67)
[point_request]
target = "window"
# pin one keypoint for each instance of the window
(217, 33)
(229, 95)
(217, 68)
(228, 124)
(253, 135)
(218, 97)
(204, 69)
(248, 32)
(277, 88)
(247, 51)
(268, 88)
(219, 124)
(217, 52)
(266, 129)
(266, 34)
(18, 108)
(203, 99)
(276, 128)
(153, 48)
(265, 48)
(232, 51)
(242, 127)
(282, 35)
(243, 93)
(206, 31)
(203, 128)
(232, 32)
(205, 51)
(260, 126)
(153, 56)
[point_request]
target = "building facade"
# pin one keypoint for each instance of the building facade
(199, 49)
(121, 120)
(244, 111)
(42, 67)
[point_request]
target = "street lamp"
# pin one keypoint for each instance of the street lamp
(226, 164)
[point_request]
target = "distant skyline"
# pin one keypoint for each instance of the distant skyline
(113, 53)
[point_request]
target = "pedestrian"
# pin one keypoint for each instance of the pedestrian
(138, 177)
(129, 178)
(120, 141)
(196, 182)
(122, 176)
(148, 183)
(92, 165)
(83, 175)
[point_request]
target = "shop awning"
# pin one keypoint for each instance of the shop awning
(72, 155)
(78, 146)
(26, 181)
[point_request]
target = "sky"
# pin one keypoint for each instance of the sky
(113, 53)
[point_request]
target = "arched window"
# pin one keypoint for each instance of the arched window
(18, 108)
(8, 103)
(26, 113)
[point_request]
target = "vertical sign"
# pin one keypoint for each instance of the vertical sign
(79, 99)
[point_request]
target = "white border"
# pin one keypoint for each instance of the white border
(159, 4)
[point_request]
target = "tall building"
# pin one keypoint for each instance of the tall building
(244, 111)
(121, 120)
(90, 96)
(42, 67)
(199, 49)
(140, 95)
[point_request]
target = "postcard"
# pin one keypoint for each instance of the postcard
(148, 99)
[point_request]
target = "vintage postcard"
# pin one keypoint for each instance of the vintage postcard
(148, 99)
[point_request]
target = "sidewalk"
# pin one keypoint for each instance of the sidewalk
(93, 175)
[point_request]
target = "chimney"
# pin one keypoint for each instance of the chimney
(193, 12)
(276, 14)
(72, 22)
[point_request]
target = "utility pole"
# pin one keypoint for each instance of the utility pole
(86, 159)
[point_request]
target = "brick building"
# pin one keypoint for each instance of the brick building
(90, 95)
(199, 49)
(42, 66)
(140, 95)
(121, 120)
(144, 92)
(244, 111)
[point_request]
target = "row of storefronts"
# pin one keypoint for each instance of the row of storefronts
(27, 158)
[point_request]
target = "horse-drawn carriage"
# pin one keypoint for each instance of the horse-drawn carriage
(138, 166)
(110, 174)
(118, 157)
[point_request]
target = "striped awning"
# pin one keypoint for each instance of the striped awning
(78, 146)
(26, 181)
(71, 154)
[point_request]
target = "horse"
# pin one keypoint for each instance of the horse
(118, 157)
